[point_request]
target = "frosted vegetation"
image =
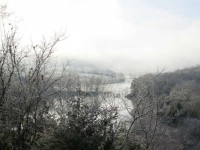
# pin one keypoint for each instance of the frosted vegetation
(44, 107)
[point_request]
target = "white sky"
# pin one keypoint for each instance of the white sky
(135, 36)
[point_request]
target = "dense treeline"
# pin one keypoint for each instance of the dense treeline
(180, 88)
(179, 105)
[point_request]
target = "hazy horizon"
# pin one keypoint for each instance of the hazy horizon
(133, 36)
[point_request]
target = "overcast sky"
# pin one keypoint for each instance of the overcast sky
(135, 36)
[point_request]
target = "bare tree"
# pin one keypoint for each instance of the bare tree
(27, 86)
(145, 122)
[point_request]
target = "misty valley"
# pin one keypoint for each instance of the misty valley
(49, 102)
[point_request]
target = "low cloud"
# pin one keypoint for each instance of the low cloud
(132, 36)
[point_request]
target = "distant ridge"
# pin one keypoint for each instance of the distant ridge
(88, 68)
